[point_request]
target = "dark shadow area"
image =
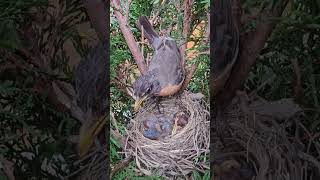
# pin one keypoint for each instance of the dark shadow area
(54, 73)
(265, 90)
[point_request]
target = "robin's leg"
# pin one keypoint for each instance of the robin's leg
(159, 105)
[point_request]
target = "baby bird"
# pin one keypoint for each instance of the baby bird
(157, 127)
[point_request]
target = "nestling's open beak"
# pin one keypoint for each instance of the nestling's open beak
(138, 103)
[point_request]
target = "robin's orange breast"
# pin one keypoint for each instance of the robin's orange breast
(170, 89)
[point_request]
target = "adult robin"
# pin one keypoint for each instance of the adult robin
(165, 73)
(89, 102)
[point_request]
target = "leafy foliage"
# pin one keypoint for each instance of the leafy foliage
(31, 138)
(296, 38)
(34, 134)
(11, 14)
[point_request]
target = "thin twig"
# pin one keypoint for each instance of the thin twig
(156, 14)
(203, 53)
(113, 120)
(122, 164)
(118, 137)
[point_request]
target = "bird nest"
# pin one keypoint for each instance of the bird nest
(180, 152)
(264, 140)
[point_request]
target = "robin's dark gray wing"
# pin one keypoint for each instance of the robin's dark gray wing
(165, 67)
(166, 60)
(91, 81)
(225, 42)
(149, 32)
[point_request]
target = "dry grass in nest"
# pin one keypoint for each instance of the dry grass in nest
(270, 139)
(93, 166)
(178, 154)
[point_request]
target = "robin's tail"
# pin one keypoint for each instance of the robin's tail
(149, 31)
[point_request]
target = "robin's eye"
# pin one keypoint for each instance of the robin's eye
(149, 89)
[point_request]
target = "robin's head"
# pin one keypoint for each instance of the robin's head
(144, 88)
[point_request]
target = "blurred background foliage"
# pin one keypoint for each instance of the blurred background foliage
(289, 64)
(12, 13)
(35, 137)
(164, 15)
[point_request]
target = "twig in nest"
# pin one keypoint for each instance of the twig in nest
(122, 164)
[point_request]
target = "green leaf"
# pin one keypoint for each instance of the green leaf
(156, 2)
(8, 35)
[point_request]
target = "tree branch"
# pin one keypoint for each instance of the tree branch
(297, 83)
(127, 33)
(128, 10)
(187, 4)
(208, 28)
(251, 46)
(98, 14)
(122, 164)
(189, 76)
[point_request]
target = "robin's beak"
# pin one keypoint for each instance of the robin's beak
(138, 103)
(88, 133)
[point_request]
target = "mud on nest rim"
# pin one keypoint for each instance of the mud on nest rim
(181, 153)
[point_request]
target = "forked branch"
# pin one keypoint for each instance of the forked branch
(251, 45)
(128, 35)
